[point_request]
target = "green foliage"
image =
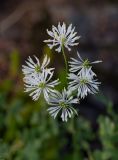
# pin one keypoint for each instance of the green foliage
(108, 134)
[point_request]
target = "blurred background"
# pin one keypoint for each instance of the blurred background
(27, 132)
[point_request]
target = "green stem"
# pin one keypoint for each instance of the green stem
(65, 60)
(90, 155)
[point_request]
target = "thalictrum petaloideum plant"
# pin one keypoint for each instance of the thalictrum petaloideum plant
(82, 80)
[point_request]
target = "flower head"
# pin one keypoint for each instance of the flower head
(36, 67)
(62, 102)
(79, 65)
(37, 84)
(83, 84)
(62, 36)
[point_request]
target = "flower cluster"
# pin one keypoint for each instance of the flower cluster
(62, 102)
(37, 78)
(62, 37)
(82, 79)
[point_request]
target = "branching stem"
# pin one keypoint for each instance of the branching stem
(65, 60)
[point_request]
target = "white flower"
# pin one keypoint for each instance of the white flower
(83, 84)
(37, 84)
(35, 67)
(62, 102)
(79, 65)
(62, 36)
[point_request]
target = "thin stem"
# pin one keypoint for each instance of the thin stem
(65, 60)
(90, 155)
